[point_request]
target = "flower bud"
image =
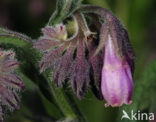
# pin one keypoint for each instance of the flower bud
(52, 44)
(58, 32)
(10, 83)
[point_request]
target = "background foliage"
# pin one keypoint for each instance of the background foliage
(29, 16)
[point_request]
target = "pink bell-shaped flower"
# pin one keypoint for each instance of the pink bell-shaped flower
(117, 82)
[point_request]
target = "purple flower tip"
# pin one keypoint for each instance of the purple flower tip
(58, 32)
(117, 83)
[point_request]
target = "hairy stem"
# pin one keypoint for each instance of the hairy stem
(102, 12)
(67, 104)
(9, 33)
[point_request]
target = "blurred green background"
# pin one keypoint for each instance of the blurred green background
(29, 16)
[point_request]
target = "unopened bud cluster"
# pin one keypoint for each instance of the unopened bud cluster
(10, 82)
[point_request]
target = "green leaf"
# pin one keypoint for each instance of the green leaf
(64, 8)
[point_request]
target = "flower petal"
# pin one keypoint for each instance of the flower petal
(117, 84)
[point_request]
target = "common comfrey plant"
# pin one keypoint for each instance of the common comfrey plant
(86, 46)
(99, 53)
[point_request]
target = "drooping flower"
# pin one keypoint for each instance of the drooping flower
(10, 83)
(117, 83)
(118, 65)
